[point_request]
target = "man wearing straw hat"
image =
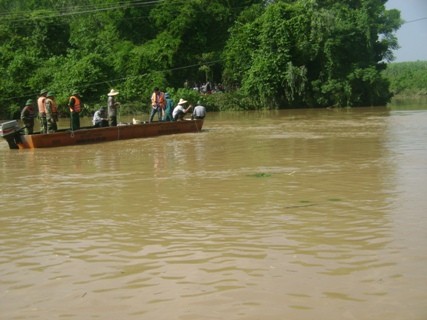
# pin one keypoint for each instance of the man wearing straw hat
(113, 105)
(179, 111)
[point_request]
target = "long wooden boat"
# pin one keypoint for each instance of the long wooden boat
(11, 132)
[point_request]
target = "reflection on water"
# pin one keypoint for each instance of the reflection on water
(309, 214)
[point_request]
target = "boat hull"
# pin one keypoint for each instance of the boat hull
(98, 135)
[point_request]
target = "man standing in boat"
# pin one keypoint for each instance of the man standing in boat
(27, 116)
(51, 113)
(157, 104)
(75, 105)
(168, 108)
(41, 104)
(112, 107)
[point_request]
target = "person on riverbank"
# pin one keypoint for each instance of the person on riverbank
(41, 104)
(179, 111)
(100, 118)
(75, 106)
(199, 111)
(113, 106)
(169, 106)
(157, 104)
(51, 113)
(27, 116)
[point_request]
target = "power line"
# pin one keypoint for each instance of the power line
(415, 20)
(79, 10)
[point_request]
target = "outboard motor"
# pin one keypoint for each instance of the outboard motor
(10, 131)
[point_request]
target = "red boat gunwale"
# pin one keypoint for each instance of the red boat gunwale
(98, 135)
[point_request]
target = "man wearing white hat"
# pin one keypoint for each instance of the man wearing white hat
(112, 107)
(179, 111)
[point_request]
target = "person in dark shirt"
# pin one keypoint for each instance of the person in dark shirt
(113, 105)
(27, 116)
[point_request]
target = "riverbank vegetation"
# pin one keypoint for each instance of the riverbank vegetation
(408, 79)
(264, 53)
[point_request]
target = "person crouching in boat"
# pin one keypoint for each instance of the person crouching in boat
(100, 118)
(51, 112)
(27, 116)
(75, 106)
(179, 111)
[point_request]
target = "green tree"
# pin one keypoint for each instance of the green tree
(274, 53)
(315, 53)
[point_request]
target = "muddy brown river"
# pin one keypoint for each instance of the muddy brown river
(293, 214)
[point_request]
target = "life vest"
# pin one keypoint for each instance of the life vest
(53, 105)
(41, 103)
(77, 104)
(158, 99)
(162, 101)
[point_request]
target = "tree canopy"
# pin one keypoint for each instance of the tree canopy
(314, 53)
(272, 53)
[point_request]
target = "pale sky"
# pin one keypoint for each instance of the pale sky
(412, 36)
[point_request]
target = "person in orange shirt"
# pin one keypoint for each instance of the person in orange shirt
(75, 105)
(157, 104)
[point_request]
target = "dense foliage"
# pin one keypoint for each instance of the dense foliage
(407, 78)
(315, 53)
(266, 53)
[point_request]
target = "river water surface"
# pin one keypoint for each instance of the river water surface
(294, 214)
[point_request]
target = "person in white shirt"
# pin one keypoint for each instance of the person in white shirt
(199, 111)
(179, 111)
(100, 118)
